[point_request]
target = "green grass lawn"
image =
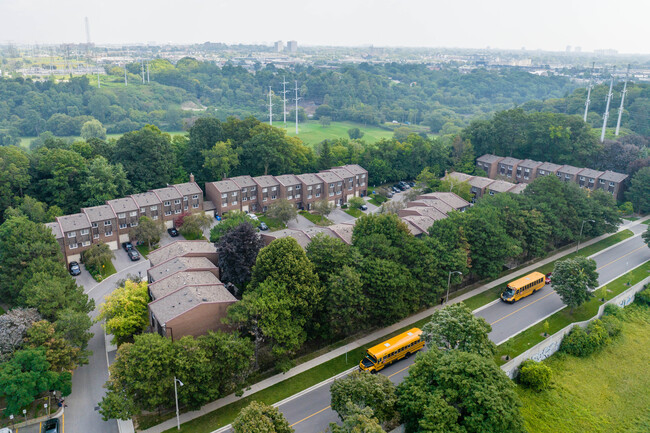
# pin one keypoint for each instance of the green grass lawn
(316, 219)
(2, 311)
(356, 213)
(490, 295)
(107, 270)
(274, 224)
(377, 199)
(312, 132)
(607, 392)
(646, 222)
(144, 250)
(533, 335)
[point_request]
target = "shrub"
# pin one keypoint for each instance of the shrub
(643, 298)
(612, 310)
(598, 335)
(612, 325)
(575, 342)
(581, 343)
(535, 375)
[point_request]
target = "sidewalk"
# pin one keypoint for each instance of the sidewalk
(188, 416)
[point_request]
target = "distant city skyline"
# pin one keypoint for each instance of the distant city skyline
(502, 24)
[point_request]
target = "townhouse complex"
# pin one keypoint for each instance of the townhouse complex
(480, 186)
(111, 223)
(525, 171)
(426, 209)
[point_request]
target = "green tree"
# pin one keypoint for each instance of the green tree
(125, 311)
(646, 236)
(148, 231)
(325, 121)
(535, 375)
(93, 129)
(456, 328)
(194, 224)
(282, 210)
(574, 280)
(147, 157)
(97, 257)
(461, 189)
(238, 249)
(220, 160)
(346, 304)
(14, 175)
(61, 355)
(229, 221)
(103, 182)
(329, 254)
(260, 418)
(323, 208)
(25, 376)
(401, 133)
(357, 421)
(458, 391)
(363, 389)
(202, 146)
(356, 202)
(355, 133)
(639, 191)
(390, 290)
(73, 326)
(58, 176)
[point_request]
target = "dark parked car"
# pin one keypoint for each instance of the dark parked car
(172, 232)
(74, 269)
(133, 254)
(127, 246)
(411, 184)
(51, 426)
(263, 226)
(389, 195)
(363, 207)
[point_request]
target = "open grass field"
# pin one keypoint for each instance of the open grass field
(606, 392)
(533, 335)
(312, 132)
(490, 295)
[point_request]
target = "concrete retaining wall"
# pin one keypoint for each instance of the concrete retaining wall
(552, 344)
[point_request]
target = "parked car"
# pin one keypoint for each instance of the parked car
(133, 254)
(51, 426)
(252, 216)
(390, 195)
(411, 184)
(127, 246)
(363, 207)
(263, 226)
(6, 430)
(172, 232)
(74, 269)
(548, 278)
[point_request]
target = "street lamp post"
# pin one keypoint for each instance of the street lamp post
(449, 283)
(582, 227)
(178, 418)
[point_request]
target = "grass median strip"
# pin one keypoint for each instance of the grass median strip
(533, 335)
(492, 294)
(316, 219)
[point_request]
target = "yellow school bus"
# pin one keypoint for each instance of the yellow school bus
(523, 287)
(398, 347)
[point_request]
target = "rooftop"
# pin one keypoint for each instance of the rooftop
(414, 229)
(188, 188)
(529, 163)
(73, 222)
(421, 222)
(510, 161)
(430, 212)
(480, 182)
(462, 177)
(518, 188)
(549, 166)
(99, 213)
(329, 177)
(309, 179)
(500, 186)
(180, 248)
(146, 199)
(121, 205)
(343, 231)
(448, 197)
(266, 181)
(298, 235)
(243, 181)
(612, 176)
(56, 229)
(178, 264)
(341, 172)
(225, 186)
(569, 169)
(589, 173)
(489, 159)
(173, 282)
(168, 193)
(287, 180)
(186, 298)
(354, 169)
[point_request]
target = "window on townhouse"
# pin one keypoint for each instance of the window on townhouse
(153, 208)
(297, 195)
(96, 236)
(94, 225)
(309, 196)
(73, 246)
(331, 185)
(185, 207)
(289, 197)
(275, 188)
(591, 180)
(601, 181)
(331, 193)
(289, 188)
(177, 201)
(167, 213)
(491, 192)
(123, 225)
(244, 198)
(253, 188)
(108, 233)
(155, 217)
(234, 202)
(309, 188)
(567, 176)
(177, 211)
(244, 189)
(195, 197)
(273, 197)
(317, 194)
(526, 170)
(224, 195)
(339, 183)
(168, 203)
(297, 187)
(253, 198)
(141, 210)
(185, 198)
(611, 184)
(107, 223)
(542, 172)
(194, 206)
(84, 232)
(134, 213)
(265, 190)
(264, 198)
(582, 178)
(234, 194)
(121, 215)
(85, 243)
(134, 224)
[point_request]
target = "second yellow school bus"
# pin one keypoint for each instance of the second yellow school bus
(523, 287)
(399, 347)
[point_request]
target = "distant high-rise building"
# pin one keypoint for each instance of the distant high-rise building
(292, 46)
(568, 48)
(609, 52)
(278, 47)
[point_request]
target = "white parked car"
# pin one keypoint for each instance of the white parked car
(253, 216)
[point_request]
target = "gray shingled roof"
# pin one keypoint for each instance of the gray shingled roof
(529, 163)
(589, 173)
(612, 176)
(421, 222)
(460, 176)
(185, 278)
(341, 172)
(188, 188)
(343, 231)
(354, 169)
(168, 193)
(186, 298)
(431, 202)
(73, 222)
(146, 199)
(56, 230)
(178, 264)
(430, 212)
(288, 180)
(518, 188)
(448, 197)
(243, 181)
(328, 176)
(480, 182)
(510, 161)
(208, 205)
(121, 205)
(226, 186)
(266, 181)
(298, 235)
(549, 166)
(569, 169)
(500, 186)
(489, 159)
(309, 179)
(99, 213)
(180, 248)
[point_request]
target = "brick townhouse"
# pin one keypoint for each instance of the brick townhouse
(247, 193)
(268, 191)
(527, 170)
(588, 178)
(507, 167)
(290, 189)
(312, 189)
(489, 164)
(547, 169)
(333, 187)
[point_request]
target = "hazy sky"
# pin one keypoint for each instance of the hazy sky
(545, 24)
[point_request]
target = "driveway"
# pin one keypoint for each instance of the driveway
(300, 223)
(338, 216)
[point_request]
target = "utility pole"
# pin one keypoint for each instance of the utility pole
(296, 99)
(284, 100)
(270, 106)
(609, 99)
(620, 109)
(125, 82)
(147, 72)
(142, 70)
(591, 74)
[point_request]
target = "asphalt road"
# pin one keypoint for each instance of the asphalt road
(310, 412)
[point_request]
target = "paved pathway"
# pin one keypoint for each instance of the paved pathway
(338, 216)
(185, 417)
(300, 223)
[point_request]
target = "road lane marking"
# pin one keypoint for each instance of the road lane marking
(615, 260)
(397, 372)
(519, 309)
(307, 417)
